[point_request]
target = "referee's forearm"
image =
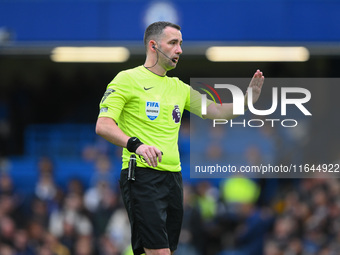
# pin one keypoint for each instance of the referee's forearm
(108, 129)
(217, 111)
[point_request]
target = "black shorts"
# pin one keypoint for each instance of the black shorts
(154, 202)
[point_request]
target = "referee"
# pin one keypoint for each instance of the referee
(148, 106)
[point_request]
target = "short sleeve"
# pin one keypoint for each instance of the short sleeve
(117, 94)
(194, 102)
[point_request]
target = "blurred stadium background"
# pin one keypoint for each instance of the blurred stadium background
(58, 186)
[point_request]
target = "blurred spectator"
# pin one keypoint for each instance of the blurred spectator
(284, 229)
(192, 237)
(250, 235)
(75, 186)
(102, 182)
(252, 223)
(45, 188)
(108, 247)
(118, 229)
(94, 196)
(103, 172)
(21, 245)
(295, 247)
(184, 139)
(83, 246)
(206, 200)
(214, 149)
(272, 248)
(7, 230)
(8, 206)
(69, 236)
(6, 250)
(11, 202)
(55, 246)
(44, 250)
(6, 185)
(72, 213)
(39, 212)
(36, 233)
(108, 204)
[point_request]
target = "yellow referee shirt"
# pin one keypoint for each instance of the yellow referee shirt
(150, 107)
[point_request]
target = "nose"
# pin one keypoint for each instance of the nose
(179, 50)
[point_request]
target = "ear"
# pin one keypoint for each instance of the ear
(152, 45)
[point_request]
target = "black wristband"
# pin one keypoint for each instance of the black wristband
(132, 144)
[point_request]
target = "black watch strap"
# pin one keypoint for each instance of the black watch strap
(132, 144)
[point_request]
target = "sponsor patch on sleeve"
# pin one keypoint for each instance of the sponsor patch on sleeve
(104, 109)
(106, 94)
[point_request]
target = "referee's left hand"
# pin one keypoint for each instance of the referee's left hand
(150, 154)
(256, 86)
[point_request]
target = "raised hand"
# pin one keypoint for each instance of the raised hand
(256, 84)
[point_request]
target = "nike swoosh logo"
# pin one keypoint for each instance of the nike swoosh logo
(147, 88)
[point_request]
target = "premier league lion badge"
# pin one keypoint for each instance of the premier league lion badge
(176, 114)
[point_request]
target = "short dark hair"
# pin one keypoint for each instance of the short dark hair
(156, 29)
